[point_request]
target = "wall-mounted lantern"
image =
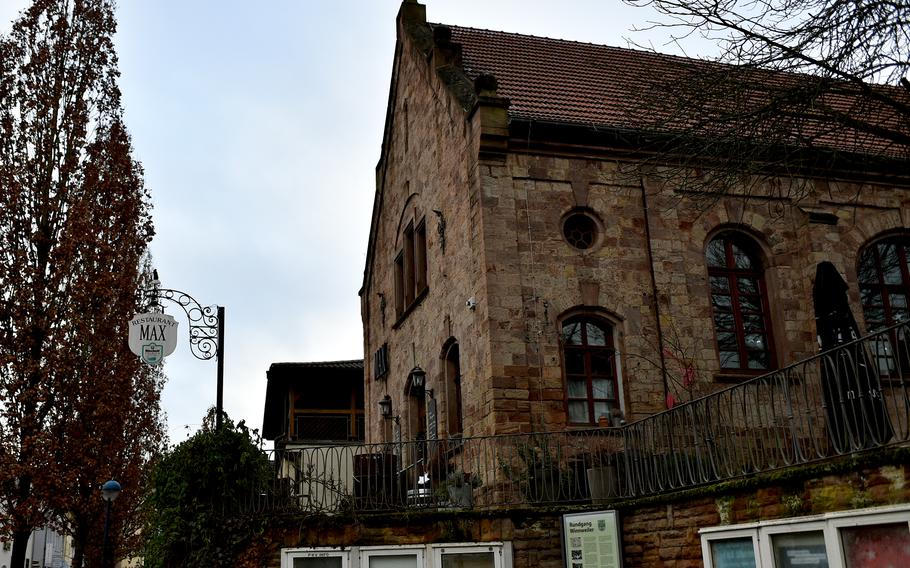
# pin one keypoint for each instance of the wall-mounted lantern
(418, 377)
(385, 407)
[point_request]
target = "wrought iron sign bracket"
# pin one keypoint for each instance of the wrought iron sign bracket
(206, 330)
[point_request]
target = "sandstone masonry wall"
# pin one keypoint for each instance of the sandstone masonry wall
(535, 278)
(662, 534)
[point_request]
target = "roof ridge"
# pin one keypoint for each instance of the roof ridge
(318, 363)
(578, 42)
(705, 60)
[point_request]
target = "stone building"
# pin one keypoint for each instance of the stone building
(536, 290)
(508, 213)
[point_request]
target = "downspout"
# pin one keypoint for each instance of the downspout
(656, 301)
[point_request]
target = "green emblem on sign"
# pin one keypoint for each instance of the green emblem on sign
(152, 353)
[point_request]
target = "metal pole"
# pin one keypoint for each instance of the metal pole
(44, 549)
(107, 524)
(219, 404)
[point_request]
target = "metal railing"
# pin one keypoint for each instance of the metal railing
(849, 399)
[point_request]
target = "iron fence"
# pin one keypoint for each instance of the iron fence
(846, 400)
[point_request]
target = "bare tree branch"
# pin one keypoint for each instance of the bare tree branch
(800, 87)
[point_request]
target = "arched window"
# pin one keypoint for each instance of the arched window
(884, 282)
(590, 366)
(454, 411)
(739, 299)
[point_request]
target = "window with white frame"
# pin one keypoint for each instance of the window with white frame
(476, 555)
(314, 558)
(392, 557)
(451, 555)
(868, 538)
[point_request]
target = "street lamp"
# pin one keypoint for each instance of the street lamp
(109, 491)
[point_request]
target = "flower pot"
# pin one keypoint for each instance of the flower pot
(603, 482)
(543, 485)
(461, 496)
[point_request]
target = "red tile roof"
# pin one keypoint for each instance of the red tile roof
(586, 84)
(558, 80)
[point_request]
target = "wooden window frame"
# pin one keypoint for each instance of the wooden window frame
(409, 279)
(411, 275)
(453, 391)
(399, 284)
(884, 290)
(587, 351)
(351, 412)
(381, 362)
(420, 258)
(733, 274)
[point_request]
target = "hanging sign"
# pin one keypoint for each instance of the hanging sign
(153, 336)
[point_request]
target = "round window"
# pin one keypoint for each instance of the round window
(580, 230)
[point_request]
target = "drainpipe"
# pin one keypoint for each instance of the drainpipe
(656, 301)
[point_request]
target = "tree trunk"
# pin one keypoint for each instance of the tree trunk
(20, 544)
(79, 539)
(22, 532)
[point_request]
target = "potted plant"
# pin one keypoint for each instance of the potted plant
(603, 479)
(538, 472)
(606, 469)
(460, 487)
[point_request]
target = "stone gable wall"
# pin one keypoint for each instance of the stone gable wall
(431, 167)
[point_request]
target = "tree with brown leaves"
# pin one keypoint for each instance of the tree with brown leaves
(76, 407)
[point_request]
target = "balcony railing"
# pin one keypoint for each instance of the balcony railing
(846, 400)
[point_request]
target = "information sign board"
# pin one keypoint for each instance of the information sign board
(591, 540)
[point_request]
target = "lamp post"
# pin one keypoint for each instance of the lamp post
(109, 491)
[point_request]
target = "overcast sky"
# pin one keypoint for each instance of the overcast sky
(259, 127)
